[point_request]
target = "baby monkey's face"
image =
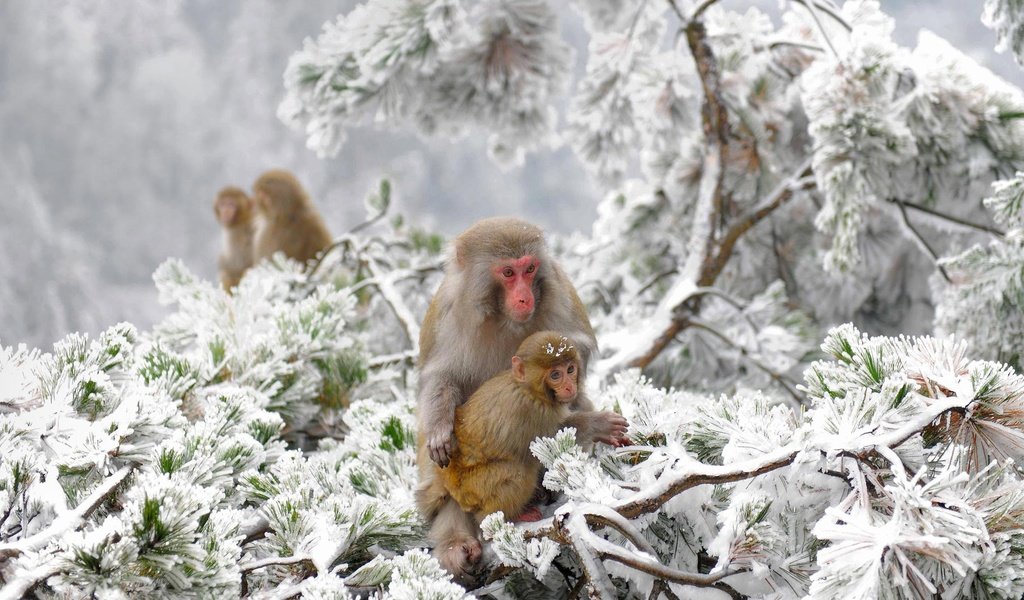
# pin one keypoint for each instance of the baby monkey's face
(561, 379)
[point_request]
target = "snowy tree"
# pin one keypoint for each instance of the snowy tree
(764, 182)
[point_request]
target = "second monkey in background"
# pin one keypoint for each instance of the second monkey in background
(288, 221)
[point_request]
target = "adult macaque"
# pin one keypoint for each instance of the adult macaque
(500, 286)
(234, 211)
(491, 468)
(288, 220)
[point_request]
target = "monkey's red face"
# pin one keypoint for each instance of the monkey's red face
(562, 381)
(227, 210)
(516, 278)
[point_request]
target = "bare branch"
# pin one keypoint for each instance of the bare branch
(777, 377)
(924, 243)
(951, 218)
(828, 9)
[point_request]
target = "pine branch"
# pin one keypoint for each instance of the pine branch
(694, 474)
(577, 521)
(69, 520)
(20, 586)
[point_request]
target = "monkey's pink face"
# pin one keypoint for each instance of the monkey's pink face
(562, 381)
(227, 210)
(516, 278)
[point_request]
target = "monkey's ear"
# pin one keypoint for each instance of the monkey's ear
(518, 369)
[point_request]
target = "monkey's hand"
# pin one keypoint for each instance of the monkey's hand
(441, 446)
(609, 427)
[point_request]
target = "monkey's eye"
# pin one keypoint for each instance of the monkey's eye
(571, 369)
(508, 272)
(556, 375)
(531, 268)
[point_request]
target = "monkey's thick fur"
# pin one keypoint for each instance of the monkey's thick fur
(492, 468)
(288, 221)
(238, 227)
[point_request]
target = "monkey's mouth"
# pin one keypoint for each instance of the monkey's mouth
(521, 315)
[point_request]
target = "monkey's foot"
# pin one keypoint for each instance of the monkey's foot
(530, 514)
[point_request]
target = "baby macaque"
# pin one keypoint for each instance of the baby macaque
(500, 286)
(234, 211)
(491, 467)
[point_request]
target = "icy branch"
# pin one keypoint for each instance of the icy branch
(276, 561)
(26, 580)
(386, 286)
(670, 318)
(69, 520)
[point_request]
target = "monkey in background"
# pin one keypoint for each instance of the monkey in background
(288, 222)
(500, 286)
(234, 211)
(491, 468)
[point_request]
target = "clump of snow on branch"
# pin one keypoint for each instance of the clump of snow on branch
(1006, 18)
(493, 64)
(899, 127)
(984, 302)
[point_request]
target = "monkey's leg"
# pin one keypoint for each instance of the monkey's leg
(507, 487)
(431, 495)
(456, 546)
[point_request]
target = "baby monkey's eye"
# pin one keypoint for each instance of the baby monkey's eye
(556, 375)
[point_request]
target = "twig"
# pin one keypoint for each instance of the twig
(69, 520)
(276, 561)
(645, 563)
(950, 218)
(813, 10)
(379, 361)
(778, 377)
(922, 241)
(800, 180)
(827, 9)
(661, 588)
(575, 530)
(388, 291)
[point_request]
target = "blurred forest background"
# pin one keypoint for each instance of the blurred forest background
(119, 122)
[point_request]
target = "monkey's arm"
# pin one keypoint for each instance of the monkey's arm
(438, 397)
(597, 426)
